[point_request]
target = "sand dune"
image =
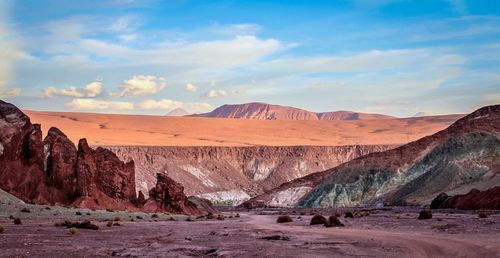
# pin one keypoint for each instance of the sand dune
(111, 129)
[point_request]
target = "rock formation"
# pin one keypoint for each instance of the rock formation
(168, 195)
(473, 200)
(54, 171)
(463, 155)
(230, 175)
(257, 110)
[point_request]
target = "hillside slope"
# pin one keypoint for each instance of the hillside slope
(464, 156)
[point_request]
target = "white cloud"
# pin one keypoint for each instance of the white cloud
(128, 37)
(160, 104)
(93, 89)
(167, 104)
(140, 85)
(90, 90)
(93, 104)
(11, 93)
(216, 94)
(191, 87)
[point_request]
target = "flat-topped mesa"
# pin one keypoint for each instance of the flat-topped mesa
(54, 171)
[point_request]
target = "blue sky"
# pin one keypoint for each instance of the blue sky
(123, 56)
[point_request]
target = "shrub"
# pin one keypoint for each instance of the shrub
(318, 219)
(78, 213)
(17, 221)
(284, 219)
(190, 218)
(25, 210)
(482, 215)
(155, 216)
(220, 217)
(237, 215)
(117, 224)
(88, 213)
(117, 219)
(47, 208)
(109, 224)
(72, 231)
(2, 229)
(11, 216)
(210, 215)
(333, 221)
(138, 217)
(439, 219)
(348, 214)
(85, 225)
(172, 218)
(425, 214)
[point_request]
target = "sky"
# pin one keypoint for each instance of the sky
(392, 57)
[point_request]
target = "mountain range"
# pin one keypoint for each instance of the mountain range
(264, 111)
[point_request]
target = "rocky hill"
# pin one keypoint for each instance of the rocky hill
(264, 111)
(466, 155)
(230, 175)
(54, 171)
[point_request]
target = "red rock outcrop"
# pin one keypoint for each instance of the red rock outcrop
(54, 171)
(168, 195)
(473, 200)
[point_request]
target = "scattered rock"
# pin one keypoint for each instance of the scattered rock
(425, 214)
(318, 219)
(276, 237)
(284, 219)
(333, 221)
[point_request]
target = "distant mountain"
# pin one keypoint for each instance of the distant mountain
(177, 112)
(464, 156)
(264, 111)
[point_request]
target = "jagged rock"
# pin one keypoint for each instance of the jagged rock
(473, 200)
(438, 202)
(54, 171)
(61, 160)
(103, 180)
(22, 161)
(169, 196)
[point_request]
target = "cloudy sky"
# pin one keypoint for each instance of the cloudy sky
(124, 56)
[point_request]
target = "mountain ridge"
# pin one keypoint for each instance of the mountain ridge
(265, 111)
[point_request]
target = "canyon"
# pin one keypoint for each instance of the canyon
(230, 175)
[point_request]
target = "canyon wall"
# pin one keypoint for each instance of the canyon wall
(230, 175)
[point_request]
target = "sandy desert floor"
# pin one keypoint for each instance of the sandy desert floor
(107, 129)
(384, 233)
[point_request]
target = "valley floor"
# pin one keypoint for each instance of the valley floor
(384, 233)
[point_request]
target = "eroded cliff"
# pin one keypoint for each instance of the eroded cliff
(230, 175)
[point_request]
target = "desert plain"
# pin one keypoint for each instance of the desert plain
(388, 232)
